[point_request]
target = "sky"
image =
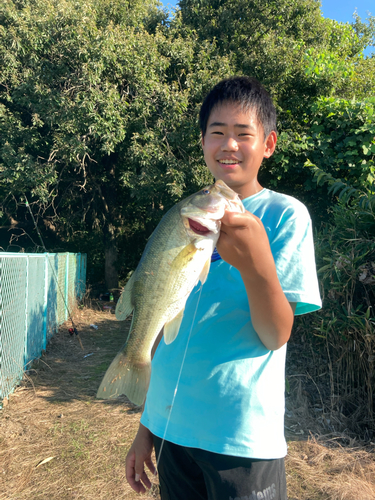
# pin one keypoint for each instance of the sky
(340, 10)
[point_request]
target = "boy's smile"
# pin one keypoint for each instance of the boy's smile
(234, 147)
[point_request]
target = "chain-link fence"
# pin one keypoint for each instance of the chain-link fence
(36, 293)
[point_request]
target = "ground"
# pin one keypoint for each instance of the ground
(58, 442)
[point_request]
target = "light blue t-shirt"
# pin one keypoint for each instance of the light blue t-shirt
(230, 397)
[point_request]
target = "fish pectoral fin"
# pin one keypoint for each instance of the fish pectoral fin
(124, 306)
(172, 328)
(204, 273)
(186, 254)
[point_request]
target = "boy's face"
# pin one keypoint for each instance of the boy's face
(234, 147)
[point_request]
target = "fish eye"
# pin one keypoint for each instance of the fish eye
(205, 191)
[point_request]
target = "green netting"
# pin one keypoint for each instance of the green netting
(35, 334)
(36, 291)
(71, 284)
(52, 295)
(13, 285)
(81, 276)
(62, 313)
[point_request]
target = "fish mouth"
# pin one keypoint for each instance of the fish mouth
(198, 228)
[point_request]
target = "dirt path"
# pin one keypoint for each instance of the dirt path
(58, 442)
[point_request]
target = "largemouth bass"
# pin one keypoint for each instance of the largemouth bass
(176, 257)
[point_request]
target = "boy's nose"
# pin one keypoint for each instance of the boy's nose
(230, 144)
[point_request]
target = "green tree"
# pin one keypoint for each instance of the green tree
(338, 140)
(98, 121)
(287, 44)
(301, 58)
(99, 103)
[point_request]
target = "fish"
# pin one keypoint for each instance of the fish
(177, 256)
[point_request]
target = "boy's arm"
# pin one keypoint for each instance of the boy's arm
(140, 452)
(244, 244)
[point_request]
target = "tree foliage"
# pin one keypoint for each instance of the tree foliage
(339, 139)
(95, 123)
(99, 103)
(286, 44)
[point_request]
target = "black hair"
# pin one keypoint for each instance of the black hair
(248, 93)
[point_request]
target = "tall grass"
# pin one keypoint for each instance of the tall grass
(343, 332)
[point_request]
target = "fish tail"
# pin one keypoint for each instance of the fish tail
(126, 377)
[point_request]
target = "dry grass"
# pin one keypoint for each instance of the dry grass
(317, 471)
(325, 461)
(54, 414)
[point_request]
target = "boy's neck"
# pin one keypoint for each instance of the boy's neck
(248, 190)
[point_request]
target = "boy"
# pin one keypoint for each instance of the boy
(224, 438)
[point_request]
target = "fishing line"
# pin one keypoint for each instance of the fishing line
(178, 378)
(74, 329)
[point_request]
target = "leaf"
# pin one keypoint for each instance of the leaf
(336, 187)
(44, 461)
(320, 176)
(348, 190)
(324, 268)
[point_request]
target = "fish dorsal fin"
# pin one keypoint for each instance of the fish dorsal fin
(172, 328)
(125, 306)
(204, 273)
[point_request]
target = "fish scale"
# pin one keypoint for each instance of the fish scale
(174, 260)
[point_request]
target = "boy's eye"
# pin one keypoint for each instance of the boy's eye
(205, 191)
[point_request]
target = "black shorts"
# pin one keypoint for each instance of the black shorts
(194, 474)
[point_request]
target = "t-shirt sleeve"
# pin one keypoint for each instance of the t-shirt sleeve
(293, 250)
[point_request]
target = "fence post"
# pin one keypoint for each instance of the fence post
(45, 310)
(77, 284)
(66, 286)
(26, 313)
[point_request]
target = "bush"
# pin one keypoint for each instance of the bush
(343, 332)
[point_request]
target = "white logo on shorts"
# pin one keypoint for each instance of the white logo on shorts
(267, 494)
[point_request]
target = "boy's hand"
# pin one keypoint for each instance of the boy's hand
(139, 455)
(244, 244)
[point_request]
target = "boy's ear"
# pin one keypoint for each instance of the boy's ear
(202, 139)
(270, 144)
